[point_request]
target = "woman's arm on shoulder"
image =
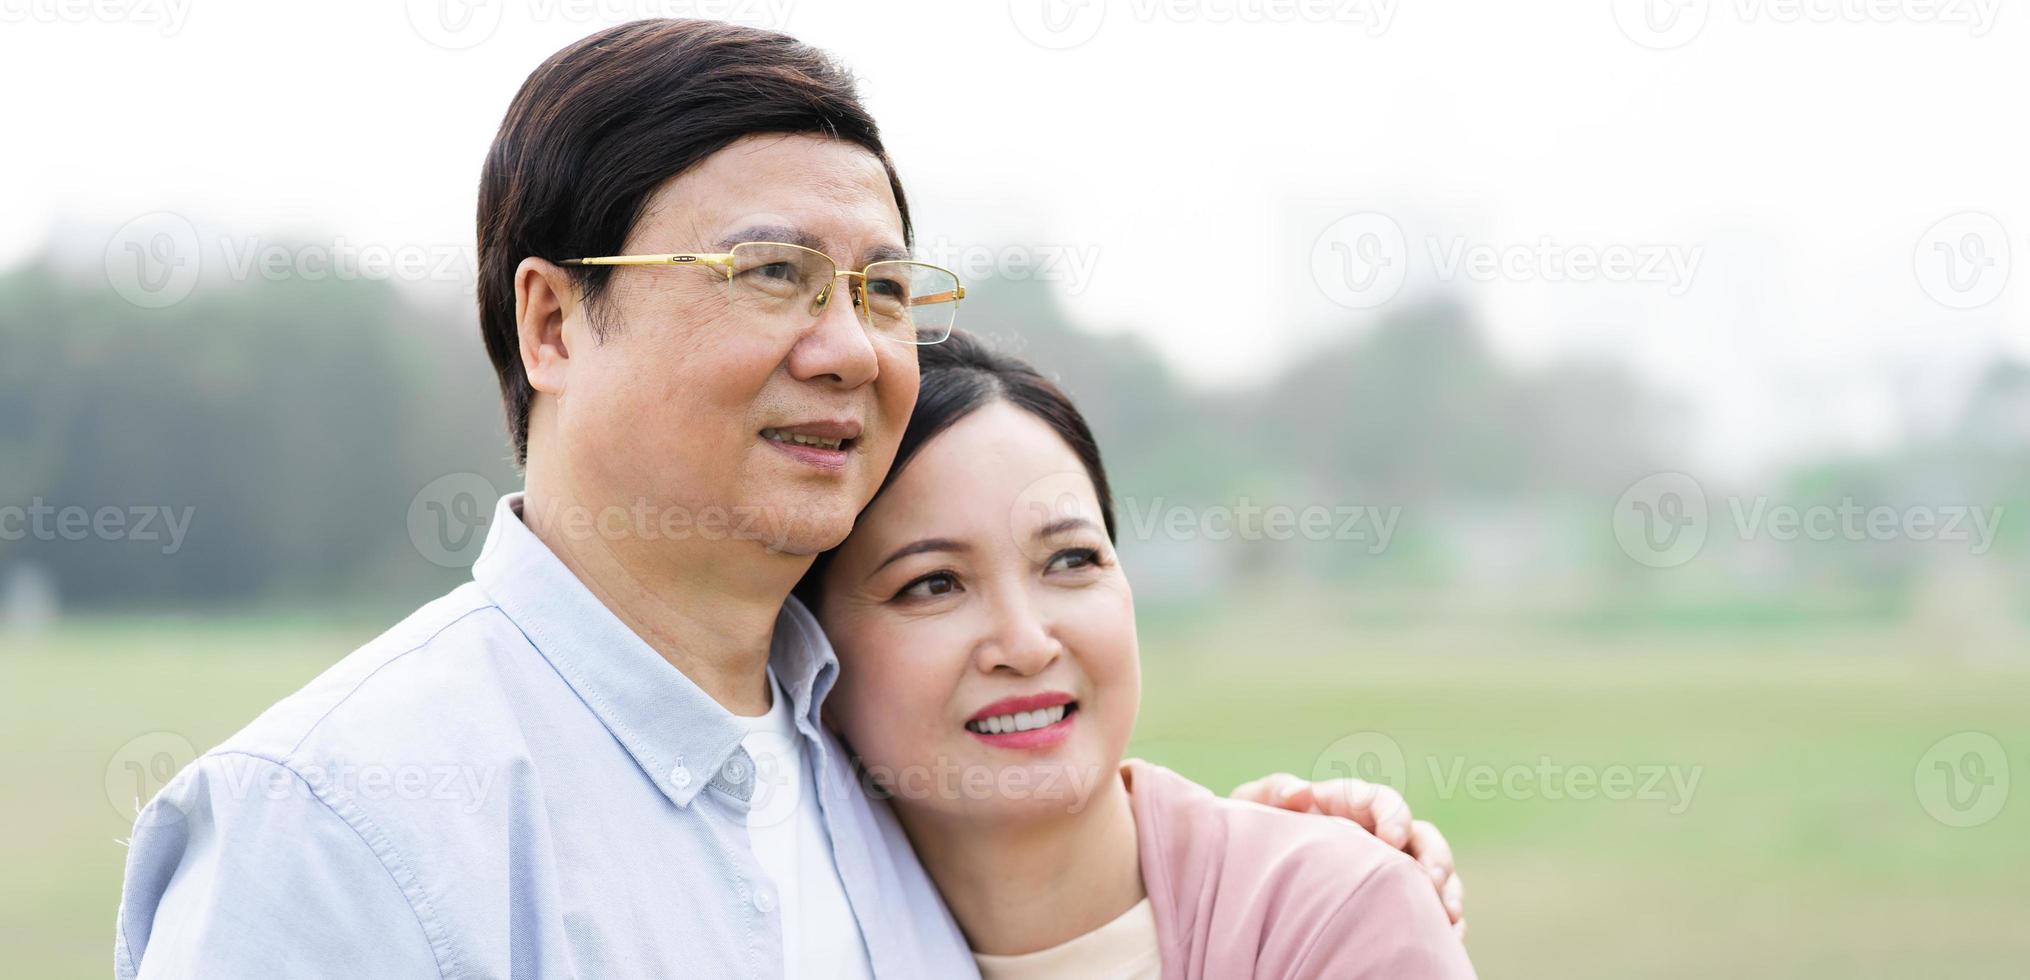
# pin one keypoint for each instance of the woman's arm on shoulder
(1380, 809)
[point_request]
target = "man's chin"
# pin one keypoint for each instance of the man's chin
(798, 548)
(803, 531)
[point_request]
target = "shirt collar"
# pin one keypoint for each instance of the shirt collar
(676, 733)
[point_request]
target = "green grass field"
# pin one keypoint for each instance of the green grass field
(1804, 849)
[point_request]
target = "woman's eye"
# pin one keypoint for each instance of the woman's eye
(1073, 558)
(929, 586)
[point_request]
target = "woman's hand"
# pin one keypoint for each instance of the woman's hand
(1381, 810)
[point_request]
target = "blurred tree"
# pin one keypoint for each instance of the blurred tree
(297, 420)
(292, 421)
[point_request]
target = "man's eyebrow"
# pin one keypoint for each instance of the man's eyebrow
(796, 236)
(886, 253)
(919, 547)
(772, 233)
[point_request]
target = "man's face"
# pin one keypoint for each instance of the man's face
(689, 406)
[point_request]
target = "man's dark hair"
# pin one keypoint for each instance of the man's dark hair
(961, 376)
(603, 123)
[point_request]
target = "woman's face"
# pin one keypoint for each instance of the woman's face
(986, 636)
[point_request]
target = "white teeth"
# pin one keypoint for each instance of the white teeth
(1020, 721)
(802, 440)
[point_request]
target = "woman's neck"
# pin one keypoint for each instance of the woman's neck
(1019, 886)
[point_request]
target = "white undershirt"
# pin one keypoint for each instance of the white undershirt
(819, 935)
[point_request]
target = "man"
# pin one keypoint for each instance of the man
(551, 770)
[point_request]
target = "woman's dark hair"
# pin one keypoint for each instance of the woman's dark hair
(601, 124)
(961, 376)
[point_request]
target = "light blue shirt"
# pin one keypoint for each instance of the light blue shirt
(509, 783)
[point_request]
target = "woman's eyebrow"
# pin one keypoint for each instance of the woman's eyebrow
(919, 547)
(1062, 525)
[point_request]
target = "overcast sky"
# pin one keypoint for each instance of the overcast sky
(1798, 216)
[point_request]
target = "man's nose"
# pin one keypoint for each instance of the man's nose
(838, 346)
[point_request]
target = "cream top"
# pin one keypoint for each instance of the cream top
(1124, 949)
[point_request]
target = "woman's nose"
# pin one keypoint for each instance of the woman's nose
(1021, 641)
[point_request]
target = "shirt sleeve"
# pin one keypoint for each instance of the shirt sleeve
(1392, 926)
(238, 869)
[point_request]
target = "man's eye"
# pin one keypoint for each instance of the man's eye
(930, 586)
(775, 270)
(887, 288)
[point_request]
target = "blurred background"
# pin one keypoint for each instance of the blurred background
(1608, 422)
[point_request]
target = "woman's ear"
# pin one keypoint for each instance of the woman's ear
(545, 299)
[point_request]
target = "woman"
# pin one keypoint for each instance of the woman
(989, 683)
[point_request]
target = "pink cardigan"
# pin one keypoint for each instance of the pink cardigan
(1241, 890)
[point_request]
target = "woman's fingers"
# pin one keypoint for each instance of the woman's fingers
(1273, 790)
(1375, 806)
(1430, 849)
(1380, 809)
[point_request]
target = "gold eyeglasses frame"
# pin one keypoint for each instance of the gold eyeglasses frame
(723, 261)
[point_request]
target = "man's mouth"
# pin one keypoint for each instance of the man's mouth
(825, 445)
(802, 439)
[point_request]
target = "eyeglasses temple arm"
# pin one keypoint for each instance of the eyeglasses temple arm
(720, 260)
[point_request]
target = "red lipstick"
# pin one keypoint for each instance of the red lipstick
(1033, 738)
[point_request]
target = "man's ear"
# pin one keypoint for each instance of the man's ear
(545, 298)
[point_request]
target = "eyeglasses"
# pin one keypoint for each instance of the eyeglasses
(775, 283)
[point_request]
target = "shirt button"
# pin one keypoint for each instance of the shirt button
(680, 777)
(736, 771)
(763, 900)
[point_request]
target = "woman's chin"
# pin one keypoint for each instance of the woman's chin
(976, 786)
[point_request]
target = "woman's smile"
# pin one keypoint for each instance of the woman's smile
(1034, 721)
